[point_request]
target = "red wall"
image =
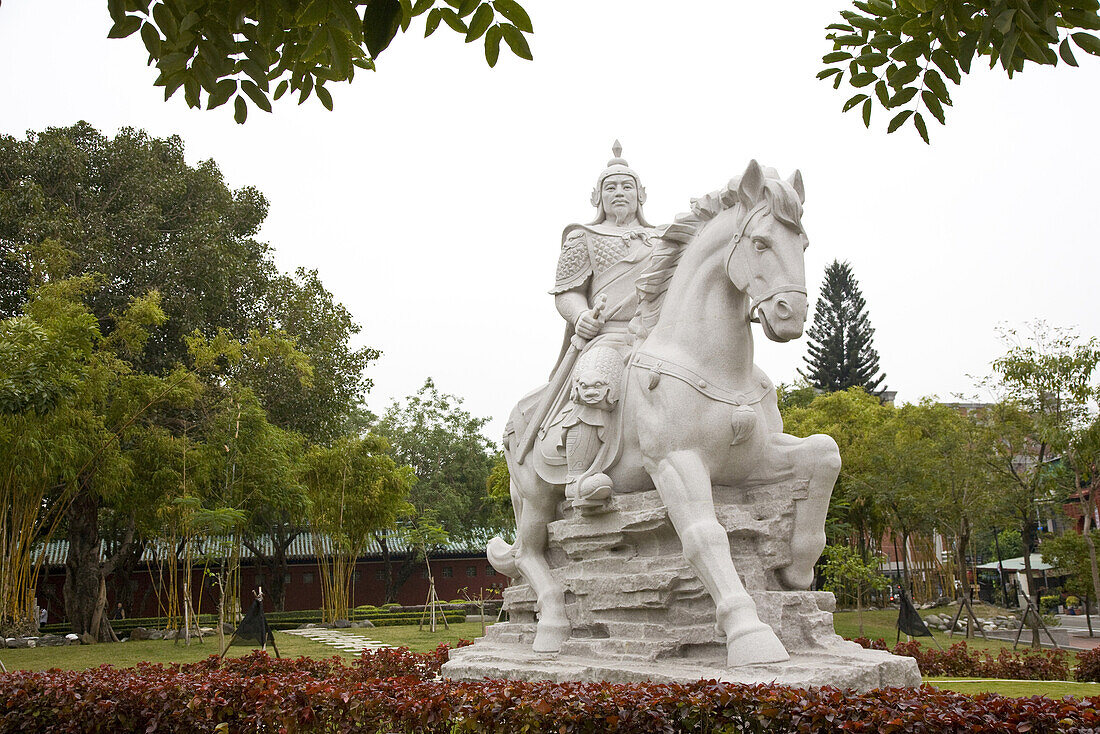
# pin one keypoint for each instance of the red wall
(303, 592)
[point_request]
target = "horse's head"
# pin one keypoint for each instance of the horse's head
(766, 258)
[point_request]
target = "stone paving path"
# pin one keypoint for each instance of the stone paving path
(347, 641)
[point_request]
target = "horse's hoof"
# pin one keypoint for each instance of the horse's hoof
(549, 637)
(502, 555)
(795, 578)
(755, 648)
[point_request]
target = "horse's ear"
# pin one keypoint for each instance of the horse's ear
(751, 186)
(796, 183)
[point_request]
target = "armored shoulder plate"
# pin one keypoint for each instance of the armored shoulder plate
(574, 263)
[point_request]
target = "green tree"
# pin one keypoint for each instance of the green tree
(132, 211)
(1069, 552)
(1044, 381)
(852, 417)
(845, 567)
(949, 456)
(841, 352)
(323, 407)
(443, 443)
(234, 49)
(896, 54)
(355, 490)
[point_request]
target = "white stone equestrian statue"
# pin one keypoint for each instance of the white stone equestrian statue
(656, 388)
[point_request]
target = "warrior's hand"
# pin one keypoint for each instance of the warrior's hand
(589, 323)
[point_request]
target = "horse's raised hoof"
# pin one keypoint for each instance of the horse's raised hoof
(502, 555)
(795, 578)
(549, 636)
(755, 648)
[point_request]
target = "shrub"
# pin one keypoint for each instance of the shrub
(960, 660)
(1049, 604)
(1088, 666)
(399, 691)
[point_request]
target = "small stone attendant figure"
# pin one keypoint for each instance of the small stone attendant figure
(594, 395)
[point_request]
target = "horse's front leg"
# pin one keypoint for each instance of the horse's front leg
(683, 482)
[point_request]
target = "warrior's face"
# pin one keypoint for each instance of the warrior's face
(619, 196)
(591, 387)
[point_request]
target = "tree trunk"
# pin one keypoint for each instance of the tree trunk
(275, 565)
(397, 569)
(1093, 569)
(1026, 538)
(962, 542)
(82, 565)
(122, 586)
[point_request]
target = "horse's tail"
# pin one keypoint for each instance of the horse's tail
(502, 555)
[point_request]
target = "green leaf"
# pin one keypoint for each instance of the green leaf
(867, 114)
(281, 89)
(324, 96)
(165, 21)
(125, 27)
(885, 41)
(433, 21)
(1003, 22)
(381, 20)
(922, 128)
(467, 7)
(516, 41)
(853, 102)
(865, 24)
(450, 17)
(898, 121)
(934, 82)
(826, 73)
(480, 23)
(872, 60)
(307, 87)
(1066, 52)
(151, 39)
(863, 79)
(903, 96)
(240, 110)
(947, 65)
(883, 93)
(835, 56)
(932, 103)
(511, 10)
(492, 45)
(223, 90)
(406, 14)
(850, 40)
(421, 7)
(191, 92)
(908, 51)
(839, 27)
(904, 75)
(256, 95)
(1087, 42)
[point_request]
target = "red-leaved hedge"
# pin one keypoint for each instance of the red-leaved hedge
(961, 660)
(259, 694)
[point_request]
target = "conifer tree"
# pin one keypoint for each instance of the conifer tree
(841, 353)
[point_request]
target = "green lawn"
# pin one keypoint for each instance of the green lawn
(81, 657)
(1018, 688)
(883, 623)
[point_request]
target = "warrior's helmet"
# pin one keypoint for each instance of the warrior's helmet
(618, 166)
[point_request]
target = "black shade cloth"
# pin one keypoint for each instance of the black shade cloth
(254, 625)
(909, 621)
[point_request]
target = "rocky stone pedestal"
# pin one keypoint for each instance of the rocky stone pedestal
(639, 612)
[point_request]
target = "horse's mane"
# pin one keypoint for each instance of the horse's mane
(783, 202)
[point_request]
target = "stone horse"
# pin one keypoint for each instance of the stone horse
(696, 410)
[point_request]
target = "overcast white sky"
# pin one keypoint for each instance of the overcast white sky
(432, 199)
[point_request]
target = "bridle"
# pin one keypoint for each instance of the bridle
(760, 300)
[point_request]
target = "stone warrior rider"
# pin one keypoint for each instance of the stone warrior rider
(594, 292)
